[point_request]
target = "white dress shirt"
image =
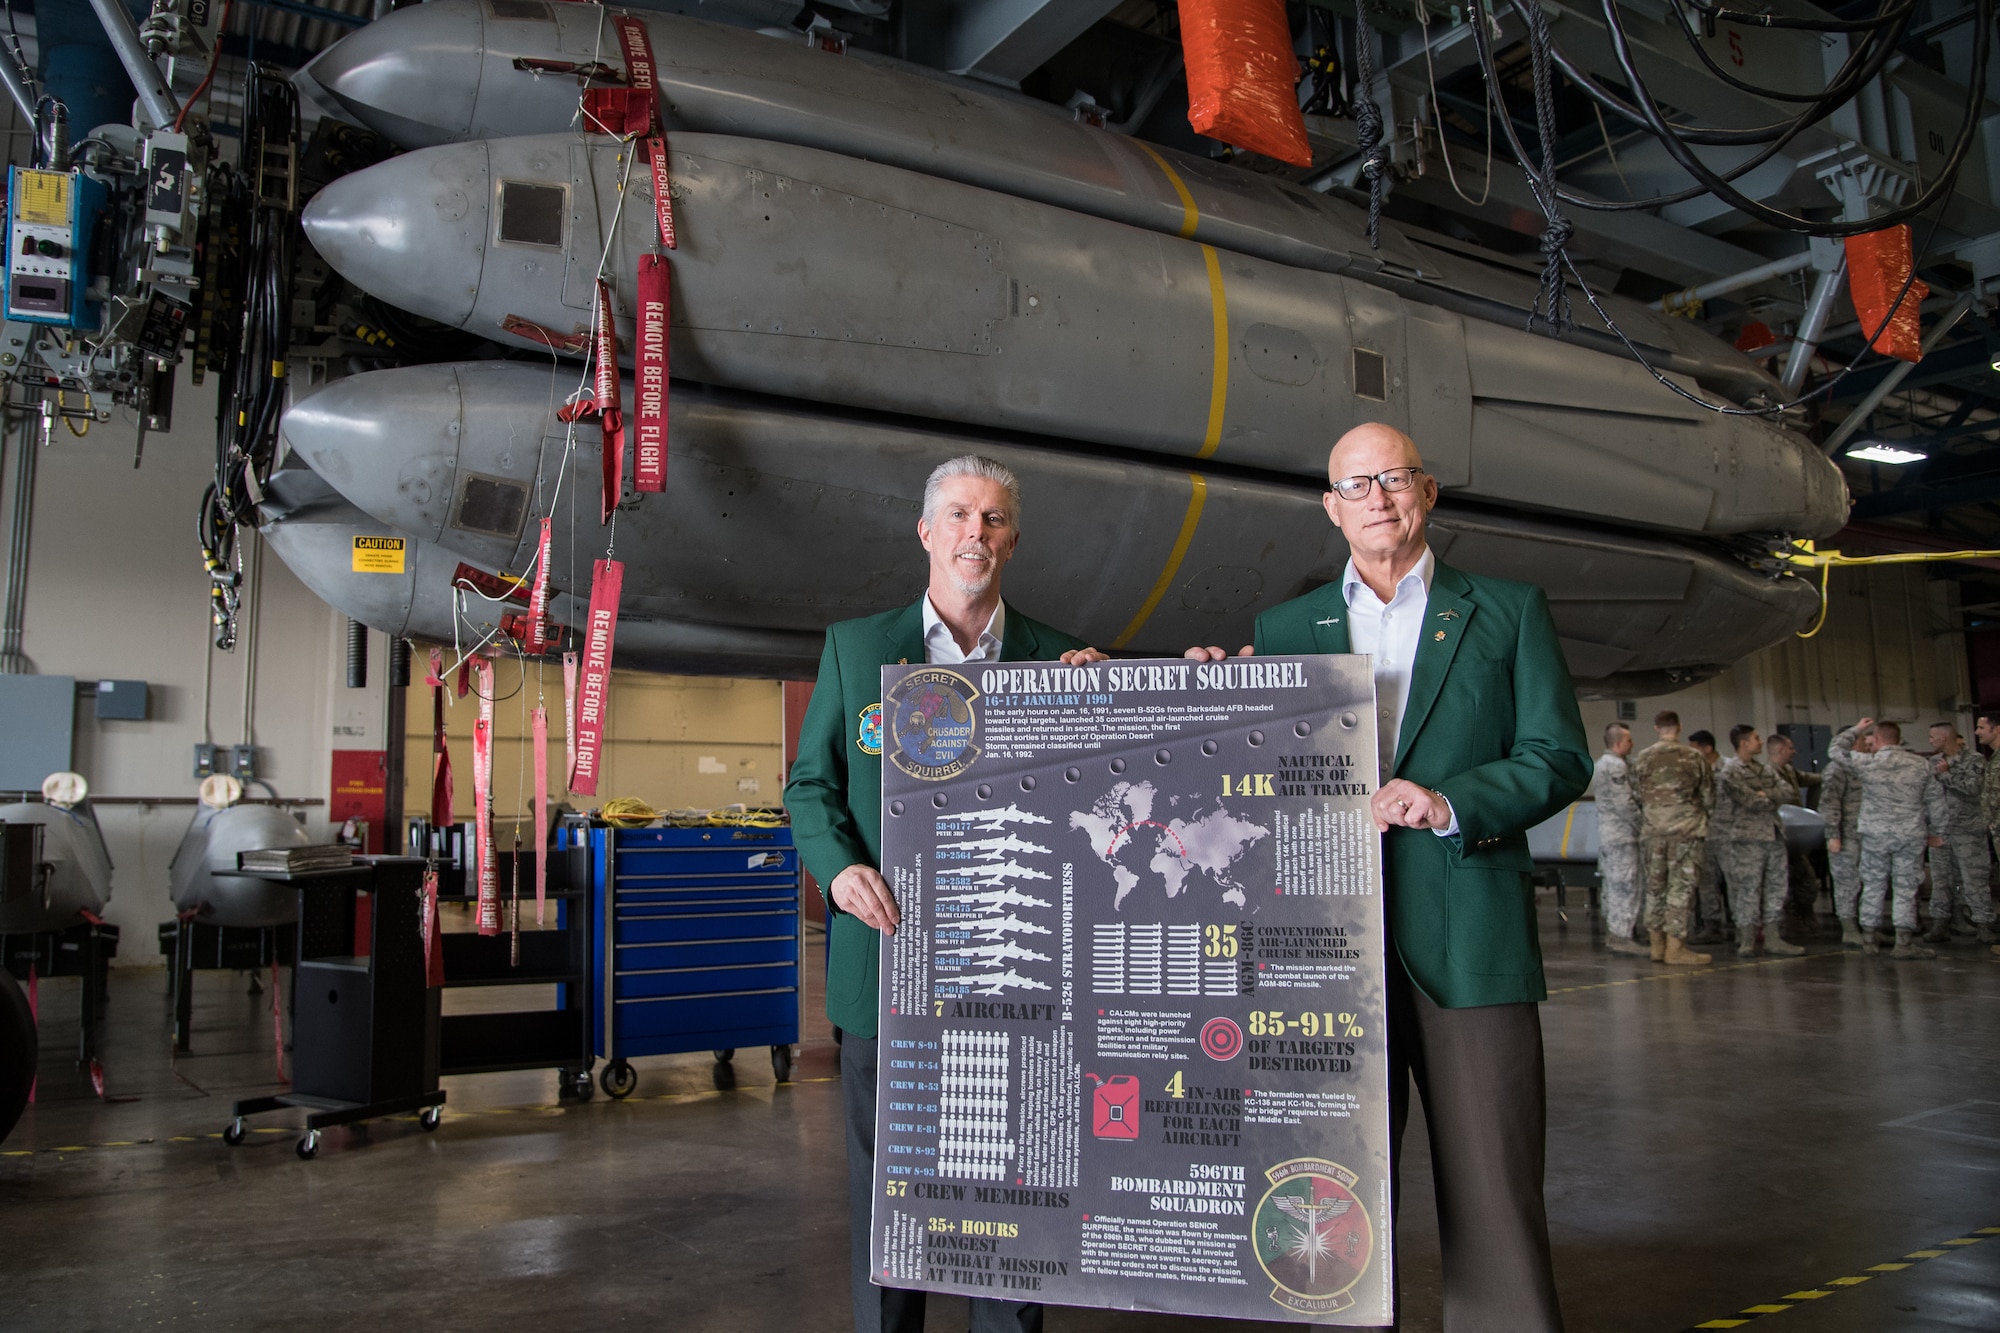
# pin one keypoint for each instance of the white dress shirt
(941, 646)
(1390, 632)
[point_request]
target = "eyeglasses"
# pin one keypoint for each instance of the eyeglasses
(1394, 480)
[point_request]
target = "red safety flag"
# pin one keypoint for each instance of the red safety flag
(522, 327)
(593, 694)
(441, 792)
(569, 721)
(649, 387)
(491, 586)
(638, 51)
(1878, 266)
(427, 929)
(541, 632)
(603, 404)
(626, 113)
(486, 870)
(541, 744)
(663, 192)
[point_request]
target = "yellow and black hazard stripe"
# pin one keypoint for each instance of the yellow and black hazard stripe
(1834, 1286)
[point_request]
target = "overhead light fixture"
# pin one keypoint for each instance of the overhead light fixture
(1875, 451)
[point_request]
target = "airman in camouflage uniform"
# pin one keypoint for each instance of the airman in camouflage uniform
(1778, 753)
(1618, 823)
(1900, 805)
(1840, 806)
(1748, 792)
(1709, 911)
(1960, 865)
(1676, 792)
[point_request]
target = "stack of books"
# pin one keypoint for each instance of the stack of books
(296, 860)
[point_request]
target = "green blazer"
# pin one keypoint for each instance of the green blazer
(834, 793)
(1492, 723)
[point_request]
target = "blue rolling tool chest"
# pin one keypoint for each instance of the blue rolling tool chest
(698, 944)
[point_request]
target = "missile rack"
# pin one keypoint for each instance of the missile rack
(698, 944)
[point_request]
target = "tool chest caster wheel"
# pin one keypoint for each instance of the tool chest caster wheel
(619, 1079)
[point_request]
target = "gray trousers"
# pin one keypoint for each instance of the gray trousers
(892, 1309)
(1960, 866)
(1846, 867)
(1885, 858)
(1480, 1074)
(1624, 887)
(1708, 889)
(1756, 874)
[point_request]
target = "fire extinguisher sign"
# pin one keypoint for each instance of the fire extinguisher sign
(1132, 1026)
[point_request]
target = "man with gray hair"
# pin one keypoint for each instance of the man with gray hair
(970, 527)
(1618, 821)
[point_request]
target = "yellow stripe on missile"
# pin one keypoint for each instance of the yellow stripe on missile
(1190, 215)
(1197, 498)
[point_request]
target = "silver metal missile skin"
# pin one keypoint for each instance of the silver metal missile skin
(445, 72)
(814, 276)
(758, 492)
(79, 878)
(202, 876)
(315, 540)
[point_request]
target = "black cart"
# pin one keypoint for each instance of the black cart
(365, 1027)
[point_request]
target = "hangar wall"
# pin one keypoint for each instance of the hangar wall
(1893, 647)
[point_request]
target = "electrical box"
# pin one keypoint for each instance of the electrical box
(121, 700)
(51, 216)
(38, 720)
(243, 762)
(206, 759)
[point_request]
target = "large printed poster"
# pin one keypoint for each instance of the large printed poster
(1132, 1045)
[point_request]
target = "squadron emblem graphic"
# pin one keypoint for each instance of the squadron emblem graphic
(1312, 1235)
(869, 735)
(930, 723)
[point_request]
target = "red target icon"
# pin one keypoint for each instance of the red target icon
(1221, 1039)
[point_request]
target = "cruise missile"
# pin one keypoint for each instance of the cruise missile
(829, 279)
(202, 877)
(458, 457)
(993, 849)
(452, 71)
(77, 875)
(994, 820)
(442, 597)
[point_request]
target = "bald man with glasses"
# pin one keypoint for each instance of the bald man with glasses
(1479, 739)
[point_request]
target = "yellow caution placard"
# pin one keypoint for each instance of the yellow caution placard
(44, 198)
(379, 555)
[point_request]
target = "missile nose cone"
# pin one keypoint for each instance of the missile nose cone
(445, 453)
(412, 77)
(411, 230)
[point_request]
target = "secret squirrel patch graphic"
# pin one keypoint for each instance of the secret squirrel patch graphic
(931, 725)
(869, 737)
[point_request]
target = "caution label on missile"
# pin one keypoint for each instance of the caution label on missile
(378, 555)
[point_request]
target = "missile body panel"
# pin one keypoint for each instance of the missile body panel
(203, 878)
(1150, 556)
(314, 536)
(810, 275)
(452, 71)
(80, 869)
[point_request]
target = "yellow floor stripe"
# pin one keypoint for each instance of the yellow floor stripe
(1793, 1299)
(1197, 498)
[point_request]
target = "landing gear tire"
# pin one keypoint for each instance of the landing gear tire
(618, 1079)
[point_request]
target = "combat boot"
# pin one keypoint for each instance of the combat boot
(1777, 944)
(1659, 948)
(1746, 942)
(1850, 933)
(1625, 944)
(1706, 935)
(1940, 931)
(1679, 955)
(1963, 924)
(1871, 940)
(1908, 947)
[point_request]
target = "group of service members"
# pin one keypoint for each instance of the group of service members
(1672, 816)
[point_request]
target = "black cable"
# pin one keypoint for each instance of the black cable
(1552, 301)
(1890, 37)
(1760, 20)
(1621, 48)
(1368, 124)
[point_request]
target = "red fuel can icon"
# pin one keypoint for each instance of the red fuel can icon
(1114, 1107)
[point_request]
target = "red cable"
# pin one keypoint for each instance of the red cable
(214, 59)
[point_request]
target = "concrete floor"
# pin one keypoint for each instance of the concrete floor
(1719, 1140)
